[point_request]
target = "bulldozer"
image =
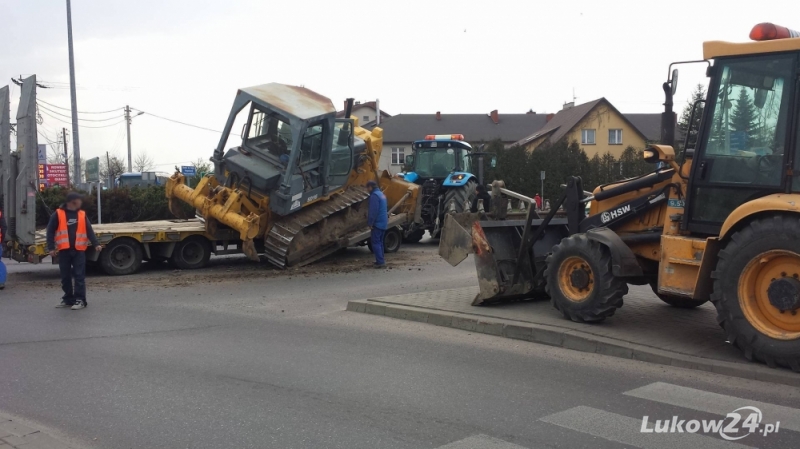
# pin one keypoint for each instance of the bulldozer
(718, 222)
(294, 189)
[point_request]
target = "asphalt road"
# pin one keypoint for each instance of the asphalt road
(242, 356)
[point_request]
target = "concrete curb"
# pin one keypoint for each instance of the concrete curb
(571, 339)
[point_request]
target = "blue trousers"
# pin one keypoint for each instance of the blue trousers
(3, 272)
(377, 245)
(73, 269)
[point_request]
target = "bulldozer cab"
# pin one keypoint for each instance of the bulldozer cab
(293, 148)
(747, 145)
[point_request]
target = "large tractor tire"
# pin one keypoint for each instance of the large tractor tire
(580, 282)
(676, 301)
(757, 290)
(461, 196)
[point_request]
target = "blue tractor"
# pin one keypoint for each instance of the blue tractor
(443, 166)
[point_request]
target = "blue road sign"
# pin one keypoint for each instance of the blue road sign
(188, 170)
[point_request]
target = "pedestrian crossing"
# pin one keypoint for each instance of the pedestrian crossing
(631, 431)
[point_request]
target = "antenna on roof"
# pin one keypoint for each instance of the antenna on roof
(573, 95)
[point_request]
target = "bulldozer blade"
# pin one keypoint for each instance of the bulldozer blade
(455, 240)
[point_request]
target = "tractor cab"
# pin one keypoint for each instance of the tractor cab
(443, 158)
(293, 149)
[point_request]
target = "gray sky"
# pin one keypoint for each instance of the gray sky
(184, 59)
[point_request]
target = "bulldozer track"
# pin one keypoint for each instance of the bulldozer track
(278, 241)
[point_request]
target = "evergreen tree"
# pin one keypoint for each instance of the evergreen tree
(684, 126)
(744, 118)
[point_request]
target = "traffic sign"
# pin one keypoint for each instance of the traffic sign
(93, 170)
(189, 170)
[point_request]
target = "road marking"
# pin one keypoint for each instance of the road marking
(626, 430)
(718, 404)
(480, 442)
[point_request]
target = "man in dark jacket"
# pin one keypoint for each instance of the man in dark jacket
(378, 220)
(68, 236)
(481, 194)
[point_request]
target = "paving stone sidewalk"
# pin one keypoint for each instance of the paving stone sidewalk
(14, 434)
(644, 328)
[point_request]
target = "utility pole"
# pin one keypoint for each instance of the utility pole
(128, 125)
(76, 147)
(108, 170)
(66, 151)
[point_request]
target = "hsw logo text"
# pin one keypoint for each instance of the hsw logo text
(620, 211)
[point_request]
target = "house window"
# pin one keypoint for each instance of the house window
(366, 118)
(398, 155)
(615, 137)
(587, 136)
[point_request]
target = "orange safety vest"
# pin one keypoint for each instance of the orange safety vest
(62, 234)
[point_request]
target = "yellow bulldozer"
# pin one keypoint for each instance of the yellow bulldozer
(294, 188)
(720, 222)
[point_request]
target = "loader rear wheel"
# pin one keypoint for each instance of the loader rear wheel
(191, 253)
(757, 291)
(676, 301)
(122, 256)
(580, 282)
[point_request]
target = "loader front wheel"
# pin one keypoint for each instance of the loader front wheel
(580, 282)
(757, 291)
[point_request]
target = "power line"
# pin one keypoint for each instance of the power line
(83, 126)
(81, 119)
(79, 112)
(178, 122)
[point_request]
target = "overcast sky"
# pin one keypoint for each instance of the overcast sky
(184, 59)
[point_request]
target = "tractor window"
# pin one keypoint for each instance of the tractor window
(435, 162)
(311, 148)
(268, 133)
(466, 161)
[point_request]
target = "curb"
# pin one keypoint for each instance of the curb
(571, 339)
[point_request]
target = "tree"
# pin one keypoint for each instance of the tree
(201, 168)
(143, 162)
(692, 128)
(111, 168)
(744, 118)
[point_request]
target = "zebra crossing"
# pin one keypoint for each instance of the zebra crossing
(751, 429)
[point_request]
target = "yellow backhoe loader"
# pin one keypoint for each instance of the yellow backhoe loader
(720, 222)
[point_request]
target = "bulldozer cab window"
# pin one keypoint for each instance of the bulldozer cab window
(268, 133)
(311, 147)
(341, 154)
(745, 135)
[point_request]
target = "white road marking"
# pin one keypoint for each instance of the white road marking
(626, 430)
(480, 442)
(718, 404)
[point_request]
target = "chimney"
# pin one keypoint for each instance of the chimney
(549, 117)
(495, 117)
(531, 111)
(438, 115)
(569, 105)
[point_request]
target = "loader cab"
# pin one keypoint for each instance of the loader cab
(748, 140)
(293, 149)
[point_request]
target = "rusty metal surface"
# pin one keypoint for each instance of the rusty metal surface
(297, 101)
(456, 241)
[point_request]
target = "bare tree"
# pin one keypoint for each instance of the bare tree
(111, 168)
(143, 162)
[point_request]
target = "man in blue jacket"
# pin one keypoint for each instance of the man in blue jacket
(378, 220)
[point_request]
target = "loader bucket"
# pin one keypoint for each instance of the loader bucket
(495, 245)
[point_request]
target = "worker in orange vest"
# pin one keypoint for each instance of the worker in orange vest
(69, 234)
(3, 228)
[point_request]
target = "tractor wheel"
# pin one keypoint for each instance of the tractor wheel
(460, 195)
(191, 253)
(414, 236)
(676, 301)
(757, 290)
(580, 282)
(122, 256)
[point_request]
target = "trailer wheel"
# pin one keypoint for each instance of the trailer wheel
(191, 253)
(757, 290)
(676, 301)
(580, 282)
(392, 240)
(122, 256)
(414, 236)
